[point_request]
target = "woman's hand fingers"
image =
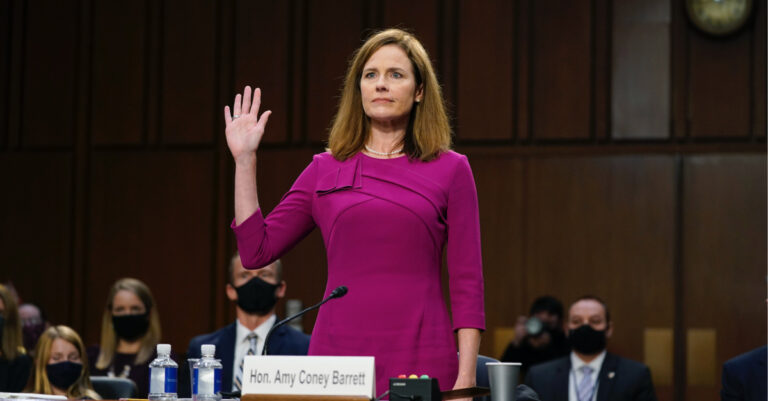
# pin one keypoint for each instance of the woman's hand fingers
(237, 106)
(246, 100)
(244, 127)
(262, 123)
(256, 102)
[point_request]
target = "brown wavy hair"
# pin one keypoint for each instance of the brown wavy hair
(12, 344)
(428, 132)
(109, 337)
(82, 387)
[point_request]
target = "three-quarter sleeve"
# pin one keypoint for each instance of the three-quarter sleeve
(465, 269)
(261, 241)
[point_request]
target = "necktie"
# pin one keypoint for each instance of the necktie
(584, 391)
(251, 351)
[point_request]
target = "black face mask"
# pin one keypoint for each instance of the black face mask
(131, 327)
(62, 375)
(586, 340)
(257, 296)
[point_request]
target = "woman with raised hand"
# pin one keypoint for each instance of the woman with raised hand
(387, 196)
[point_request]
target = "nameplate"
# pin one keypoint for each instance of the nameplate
(309, 375)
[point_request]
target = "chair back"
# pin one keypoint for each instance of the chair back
(114, 388)
(481, 374)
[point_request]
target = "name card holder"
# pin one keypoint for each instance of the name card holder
(277, 397)
(310, 378)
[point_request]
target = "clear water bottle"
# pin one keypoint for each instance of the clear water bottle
(163, 374)
(207, 376)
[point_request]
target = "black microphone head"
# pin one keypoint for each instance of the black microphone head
(339, 292)
(525, 393)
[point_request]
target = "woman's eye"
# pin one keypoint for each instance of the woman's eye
(369, 75)
(397, 75)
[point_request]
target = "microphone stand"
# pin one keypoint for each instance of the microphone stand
(336, 293)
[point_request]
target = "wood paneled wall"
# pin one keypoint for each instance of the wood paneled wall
(617, 151)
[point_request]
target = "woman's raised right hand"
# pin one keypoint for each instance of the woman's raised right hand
(244, 127)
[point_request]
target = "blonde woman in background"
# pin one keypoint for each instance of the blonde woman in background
(130, 331)
(60, 368)
(15, 364)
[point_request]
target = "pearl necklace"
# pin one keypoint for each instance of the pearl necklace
(394, 152)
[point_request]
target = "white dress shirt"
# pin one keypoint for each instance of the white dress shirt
(577, 374)
(242, 344)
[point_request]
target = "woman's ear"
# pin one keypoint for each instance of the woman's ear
(419, 93)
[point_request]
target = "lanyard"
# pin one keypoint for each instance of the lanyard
(576, 386)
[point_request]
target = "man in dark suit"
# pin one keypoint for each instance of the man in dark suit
(744, 377)
(590, 373)
(255, 293)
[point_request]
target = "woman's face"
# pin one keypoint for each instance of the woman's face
(388, 85)
(62, 351)
(127, 303)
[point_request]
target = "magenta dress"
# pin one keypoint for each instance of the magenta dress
(384, 223)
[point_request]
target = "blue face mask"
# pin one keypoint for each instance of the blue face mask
(63, 375)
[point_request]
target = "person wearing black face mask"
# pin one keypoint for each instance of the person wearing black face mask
(130, 331)
(59, 367)
(255, 293)
(590, 373)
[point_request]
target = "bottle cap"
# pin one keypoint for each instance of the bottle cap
(208, 349)
(163, 349)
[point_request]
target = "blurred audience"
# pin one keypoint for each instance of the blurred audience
(745, 377)
(590, 372)
(539, 337)
(130, 331)
(33, 324)
(60, 366)
(15, 364)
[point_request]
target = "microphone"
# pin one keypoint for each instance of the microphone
(338, 292)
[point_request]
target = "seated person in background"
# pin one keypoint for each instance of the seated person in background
(255, 293)
(589, 372)
(130, 331)
(745, 377)
(33, 324)
(15, 364)
(539, 337)
(60, 368)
